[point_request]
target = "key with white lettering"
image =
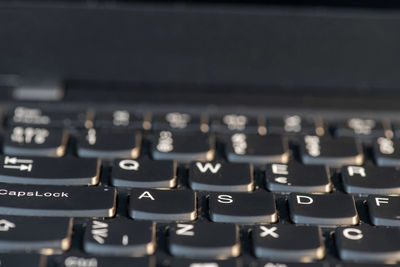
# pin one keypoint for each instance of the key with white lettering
(221, 176)
(183, 147)
(367, 244)
(117, 119)
(204, 240)
(293, 124)
(324, 210)
(32, 234)
(57, 201)
(31, 260)
(332, 152)
(35, 141)
(288, 243)
(235, 123)
(367, 180)
(163, 205)
(49, 171)
(253, 148)
(387, 152)
(109, 143)
(204, 263)
(384, 210)
(257, 207)
(296, 177)
(144, 173)
(120, 237)
(291, 264)
(359, 127)
(83, 260)
(178, 121)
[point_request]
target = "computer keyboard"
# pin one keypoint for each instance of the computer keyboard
(96, 187)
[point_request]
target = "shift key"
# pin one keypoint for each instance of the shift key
(57, 201)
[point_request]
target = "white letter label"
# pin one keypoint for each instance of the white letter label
(381, 200)
(306, 200)
(225, 199)
(353, 233)
(208, 167)
(269, 231)
(185, 229)
(147, 195)
(356, 170)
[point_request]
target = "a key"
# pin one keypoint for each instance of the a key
(328, 151)
(235, 123)
(163, 205)
(387, 152)
(293, 124)
(359, 127)
(117, 119)
(144, 173)
(35, 141)
(204, 240)
(250, 208)
(44, 118)
(49, 171)
(384, 210)
(367, 244)
(325, 210)
(263, 263)
(221, 176)
(177, 121)
(364, 180)
(32, 234)
(288, 243)
(108, 144)
(83, 260)
(57, 201)
(257, 149)
(204, 263)
(120, 237)
(14, 260)
(296, 177)
(183, 147)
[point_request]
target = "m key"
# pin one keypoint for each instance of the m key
(120, 237)
(288, 243)
(325, 210)
(204, 240)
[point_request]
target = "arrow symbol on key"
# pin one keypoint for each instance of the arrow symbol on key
(281, 180)
(22, 167)
(15, 160)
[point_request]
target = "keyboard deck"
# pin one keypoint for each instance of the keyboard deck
(118, 187)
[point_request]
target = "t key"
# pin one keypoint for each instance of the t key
(384, 210)
(367, 244)
(163, 205)
(288, 243)
(204, 240)
(34, 141)
(184, 147)
(328, 151)
(120, 237)
(221, 176)
(257, 149)
(325, 210)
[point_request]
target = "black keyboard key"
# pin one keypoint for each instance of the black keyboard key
(349, 264)
(291, 264)
(249, 208)
(144, 173)
(109, 144)
(325, 210)
(83, 260)
(293, 124)
(57, 201)
(177, 121)
(328, 151)
(221, 176)
(364, 180)
(120, 237)
(384, 210)
(204, 240)
(235, 123)
(360, 127)
(387, 152)
(205, 263)
(296, 177)
(117, 119)
(34, 141)
(185, 147)
(49, 171)
(367, 244)
(22, 260)
(163, 205)
(257, 149)
(282, 243)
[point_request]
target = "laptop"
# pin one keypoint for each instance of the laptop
(199, 133)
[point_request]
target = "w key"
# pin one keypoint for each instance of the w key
(49, 171)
